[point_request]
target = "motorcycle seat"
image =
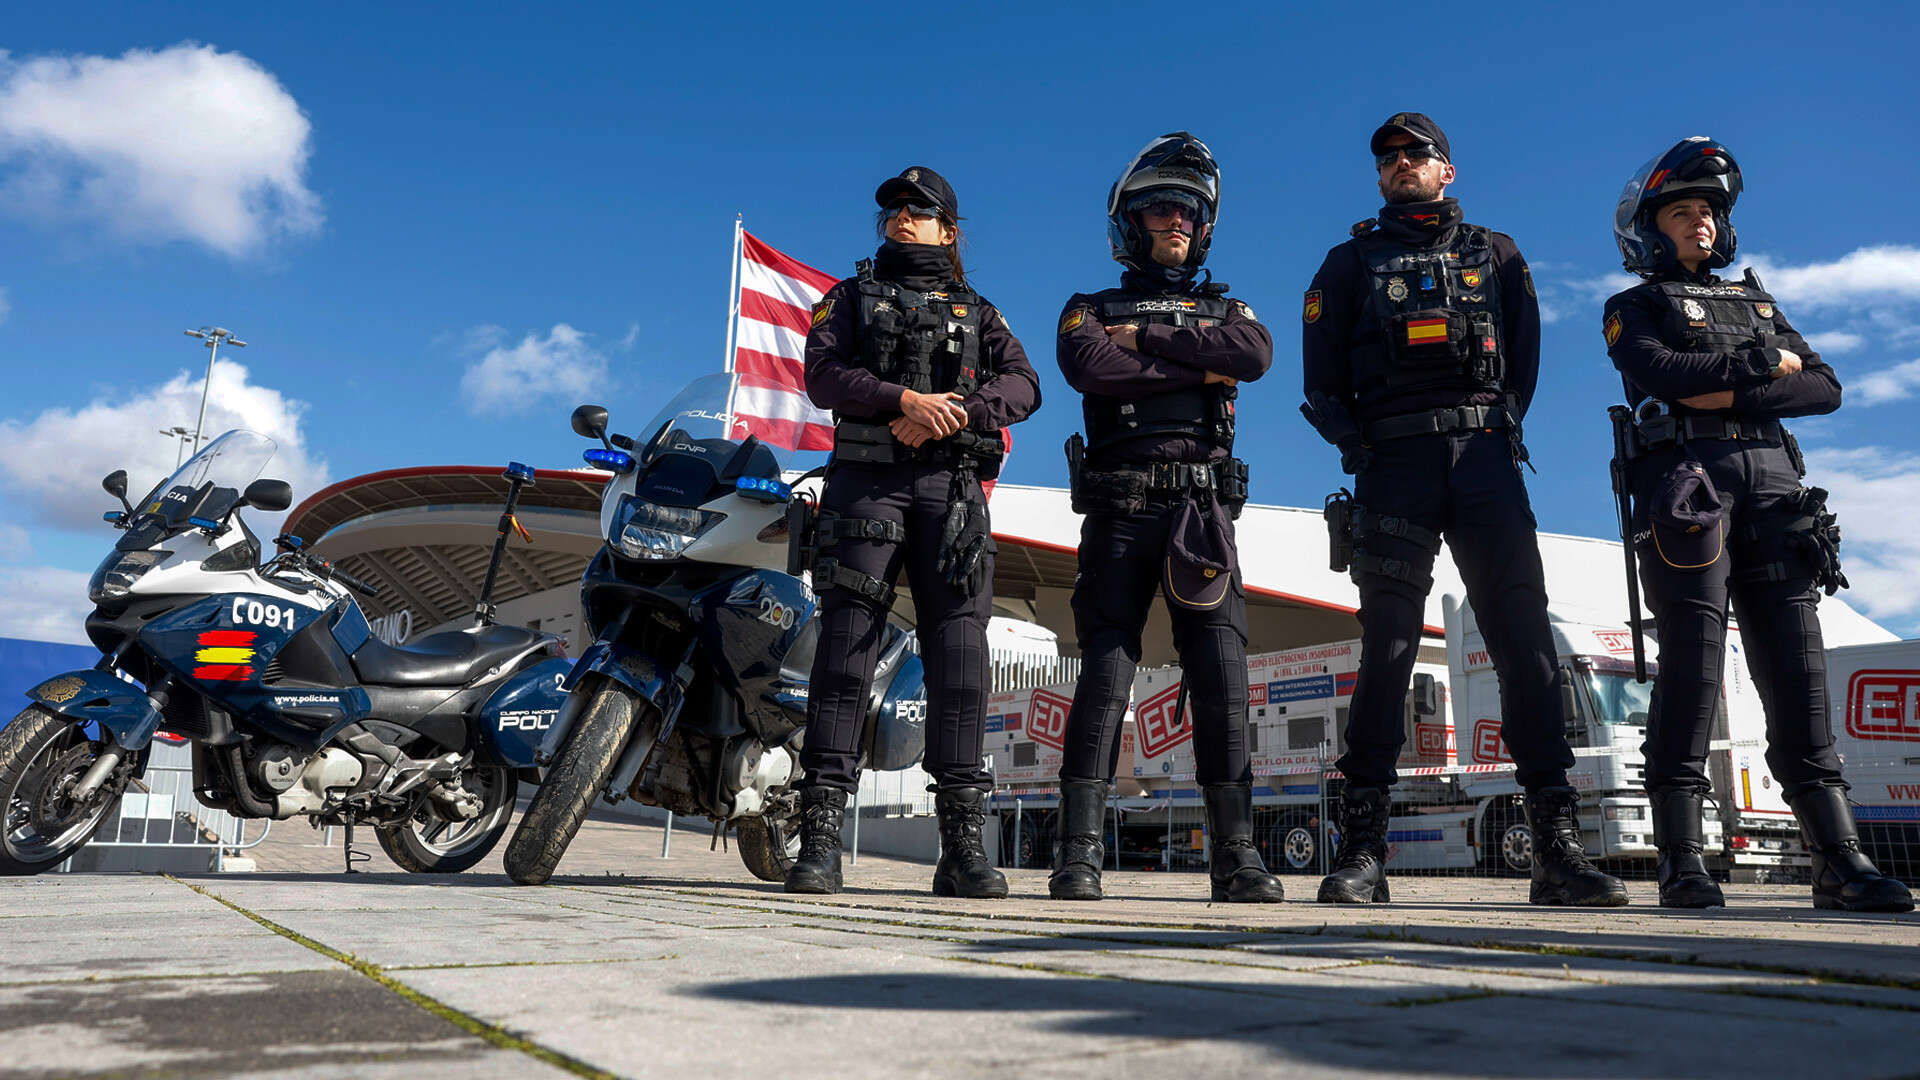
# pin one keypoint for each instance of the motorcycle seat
(449, 658)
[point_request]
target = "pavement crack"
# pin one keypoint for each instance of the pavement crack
(473, 1025)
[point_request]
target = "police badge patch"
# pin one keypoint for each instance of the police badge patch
(1246, 312)
(1526, 278)
(959, 311)
(1470, 278)
(1396, 289)
(1311, 313)
(1765, 311)
(1611, 329)
(1071, 320)
(1693, 310)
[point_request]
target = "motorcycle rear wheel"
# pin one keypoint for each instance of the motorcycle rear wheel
(431, 844)
(768, 846)
(576, 778)
(35, 750)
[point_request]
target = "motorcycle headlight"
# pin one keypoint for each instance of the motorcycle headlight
(648, 530)
(117, 573)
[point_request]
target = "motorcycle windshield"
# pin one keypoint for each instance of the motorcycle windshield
(732, 425)
(208, 484)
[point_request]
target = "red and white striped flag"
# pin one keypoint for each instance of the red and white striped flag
(777, 294)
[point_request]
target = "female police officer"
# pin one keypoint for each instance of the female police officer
(1710, 367)
(921, 374)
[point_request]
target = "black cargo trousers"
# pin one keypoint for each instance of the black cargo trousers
(1779, 622)
(1467, 486)
(952, 629)
(1121, 559)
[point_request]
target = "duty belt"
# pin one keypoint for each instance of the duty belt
(1164, 477)
(1657, 431)
(1436, 422)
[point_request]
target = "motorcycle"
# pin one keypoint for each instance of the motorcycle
(292, 705)
(693, 694)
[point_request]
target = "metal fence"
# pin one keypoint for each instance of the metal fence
(159, 821)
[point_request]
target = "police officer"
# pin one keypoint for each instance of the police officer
(1718, 514)
(1421, 350)
(1157, 361)
(921, 374)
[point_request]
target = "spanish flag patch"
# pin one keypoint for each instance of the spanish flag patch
(1611, 328)
(1071, 320)
(224, 655)
(1427, 331)
(822, 311)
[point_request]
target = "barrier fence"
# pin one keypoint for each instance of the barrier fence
(159, 822)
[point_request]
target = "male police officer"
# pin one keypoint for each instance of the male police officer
(1158, 360)
(1421, 350)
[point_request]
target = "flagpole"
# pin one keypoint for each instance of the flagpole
(733, 293)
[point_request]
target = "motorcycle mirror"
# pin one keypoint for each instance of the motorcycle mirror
(272, 496)
(590, 422)
(115, 484)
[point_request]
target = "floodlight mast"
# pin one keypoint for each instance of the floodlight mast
(214, 336)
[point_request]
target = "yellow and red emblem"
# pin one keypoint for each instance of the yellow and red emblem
(1611, 329)
(1470, 277)
(224, 655)
(1427, 331)
(1071, 320)
(1311, 313)
(959, 311)
(821, 311)
(1765, 310)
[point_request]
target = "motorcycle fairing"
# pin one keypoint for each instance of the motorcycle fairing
(748, 626)
(522, 711)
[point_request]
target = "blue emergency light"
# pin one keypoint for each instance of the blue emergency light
(612, 460)
(771, 491)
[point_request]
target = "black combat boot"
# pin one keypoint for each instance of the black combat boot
(1842, 876)
(1684, 881)
(1562, 873)
(1360, 870)
(817, 870)
(963, 869)
(1237, 872)
(1083, 821)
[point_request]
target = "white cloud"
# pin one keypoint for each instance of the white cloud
(1876, 493)
(55, 461)
(1888, 271)
(1896, 383)
(562, 365)
(1834, 341)
(184, 143)
(44, 603)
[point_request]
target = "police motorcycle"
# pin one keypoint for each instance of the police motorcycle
(693, 695)
(292, 705)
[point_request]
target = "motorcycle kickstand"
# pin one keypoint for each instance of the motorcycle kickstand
(719, 837)
(354, 857)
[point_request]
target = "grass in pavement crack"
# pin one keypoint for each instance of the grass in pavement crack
(492, 1033)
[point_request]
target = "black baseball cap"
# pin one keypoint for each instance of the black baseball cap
(923, 185)
(1418, 125)
(1688, 519)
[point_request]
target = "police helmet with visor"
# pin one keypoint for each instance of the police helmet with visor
(1697, 167)
(1174, 173)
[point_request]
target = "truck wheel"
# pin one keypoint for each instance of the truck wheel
(1299, 849)
(1515, 847)
(431, 844)
(41, 756)
(767, 846)
(574, 780)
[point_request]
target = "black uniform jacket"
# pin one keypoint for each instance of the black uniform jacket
(1342, 284)
(835, 383)
(1169, 358)
(1649, 367)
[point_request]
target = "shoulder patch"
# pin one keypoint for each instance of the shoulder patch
(1245, 310)
(1526, 278)
(1311, 312)
(822, 311)
(1611, 328)
(1072, 320)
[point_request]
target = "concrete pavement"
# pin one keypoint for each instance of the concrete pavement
(688, 967)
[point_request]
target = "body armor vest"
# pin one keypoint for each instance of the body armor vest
(1200, 412)
(928, 342)
(1716, 318)
(1437, 311)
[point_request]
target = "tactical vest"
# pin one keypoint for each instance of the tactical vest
(1437, 311)
(1716, 318)
(928, 342)
(1199, 412)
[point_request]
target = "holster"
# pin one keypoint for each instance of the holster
(1339, 515)
(803, 543)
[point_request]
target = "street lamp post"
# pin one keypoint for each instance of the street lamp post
(213, 336)
(179, 435)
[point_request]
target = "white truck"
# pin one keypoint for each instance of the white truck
(1458, 801)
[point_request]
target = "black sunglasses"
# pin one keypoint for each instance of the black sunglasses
(1416, 153)
(914, 211)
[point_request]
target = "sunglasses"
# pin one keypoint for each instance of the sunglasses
(1416, 154)
(916, 212)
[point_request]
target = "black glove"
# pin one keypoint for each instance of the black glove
(964, 540)
(1355, 458)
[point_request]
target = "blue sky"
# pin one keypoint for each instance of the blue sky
(385, 200)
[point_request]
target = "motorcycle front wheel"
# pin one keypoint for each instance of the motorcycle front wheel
(583, 768)
(42, 755)
(431, 844)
